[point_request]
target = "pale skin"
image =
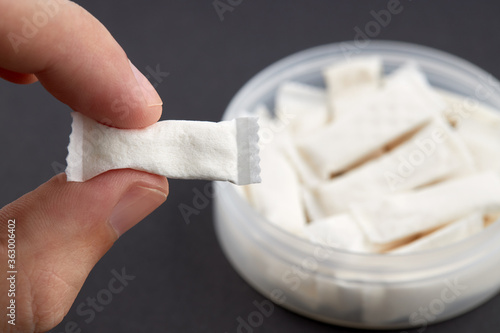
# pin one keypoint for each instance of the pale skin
(63, 229)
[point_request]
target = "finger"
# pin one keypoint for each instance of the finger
(77, 60)
(64, 228)
(19, 78)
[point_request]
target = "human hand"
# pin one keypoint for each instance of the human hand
(62, 229)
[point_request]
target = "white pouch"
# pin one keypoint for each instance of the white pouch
(311, 207)
(278, 197)
(407, 78)
(347, 80)
(306, 175)
(227, 150)
(387, 116)
(432, 154)
(458, 107)
(449, 234)
(268, 126)
(479, 127)
(340, 231)
(411, 77)
(302, 107)
(271, 129)
(396, 217)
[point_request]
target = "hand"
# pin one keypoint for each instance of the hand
(63, 229)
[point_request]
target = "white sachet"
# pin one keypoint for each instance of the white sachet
(268, 126)
(393, 218)
(302, 107)
(348, 80)
(307, 176)
(339, 231)
(311, 206)
(386, 116)
(479, 127)
(411, 77)
(434, 153)
(449, 234)
(459, 108)
(275, 128)
(484, 144)
(278, 197)
(226, 151)
(407, 77)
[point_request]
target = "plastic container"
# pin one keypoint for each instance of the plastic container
(370, 291)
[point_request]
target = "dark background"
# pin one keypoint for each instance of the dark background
(183, 281)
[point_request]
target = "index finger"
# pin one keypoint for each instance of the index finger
(77, 60)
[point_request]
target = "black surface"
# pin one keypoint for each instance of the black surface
(183, 281)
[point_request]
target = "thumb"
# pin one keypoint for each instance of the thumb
(62, 229)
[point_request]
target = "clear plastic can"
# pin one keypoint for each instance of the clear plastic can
(370, 291)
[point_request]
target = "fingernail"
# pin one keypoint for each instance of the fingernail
(134, 206)
(150, 94)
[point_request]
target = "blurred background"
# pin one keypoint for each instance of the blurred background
(198, 57)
